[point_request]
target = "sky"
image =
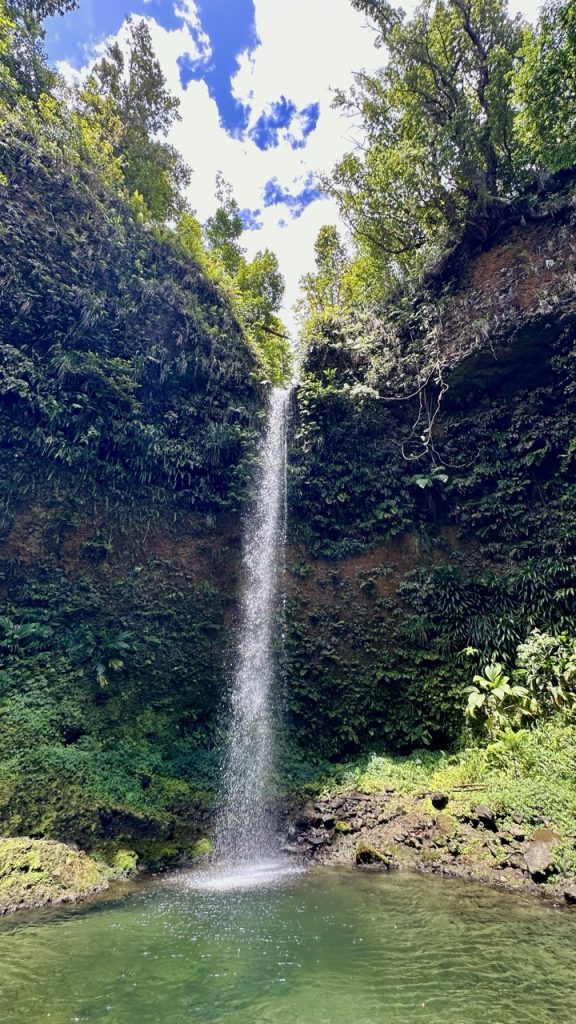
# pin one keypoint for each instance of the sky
(256, 79)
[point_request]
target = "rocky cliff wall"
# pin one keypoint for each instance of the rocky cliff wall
(433, 518)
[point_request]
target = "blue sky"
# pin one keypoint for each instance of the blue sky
(255, 79)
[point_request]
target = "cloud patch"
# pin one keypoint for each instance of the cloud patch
(283, 122)
(275, 194)
(231, 29)
(251, 219)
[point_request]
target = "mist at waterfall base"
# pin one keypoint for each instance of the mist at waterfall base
(244, 833)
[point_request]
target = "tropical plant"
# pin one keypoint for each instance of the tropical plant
(502, 703)
(105, 651)
(14, 634)
(547, 665)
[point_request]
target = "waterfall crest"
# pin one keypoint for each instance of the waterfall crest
(243, 829)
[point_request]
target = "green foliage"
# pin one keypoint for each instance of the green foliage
(341, 503)
(527, 773)
(470, 110)
(129, 373)
(545, 87)
(478, 545)
(201, 849)
(547, 666)
(138, 753)
(105, 651)
(132, 89)
(223, 230)
(255, 288)
(24, 72)
(258, 290)
(42, 9)
(14, 635)
(541, 681)
(438, 119)
(501, 703)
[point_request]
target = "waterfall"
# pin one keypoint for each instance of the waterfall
(243, 829)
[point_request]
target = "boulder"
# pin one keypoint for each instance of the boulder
(539, 859)
(545, 835)
(439, 800)
(34, 872)
(414, 842)
(570, 891)
(318, 840)
(514, 860)
(486, 817)
(368, 856)
(518, 834)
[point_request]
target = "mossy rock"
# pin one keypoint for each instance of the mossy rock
(34, 872)
(201, 849)
(447, 827)
(369, 856)
(342, 826)
(123, 862)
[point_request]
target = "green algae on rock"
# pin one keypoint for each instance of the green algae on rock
(35, 872)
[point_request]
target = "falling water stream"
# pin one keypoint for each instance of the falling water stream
(244, 830)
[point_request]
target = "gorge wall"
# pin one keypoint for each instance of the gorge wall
(438, 515)
(130, 406)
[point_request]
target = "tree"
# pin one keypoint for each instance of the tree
(259, 287)
(323, 289)
(41, 9)
(546, 87)
(25, 71)
(8, 84)
(438, 125)
(256, 288)
(132, 88)
(223, 230)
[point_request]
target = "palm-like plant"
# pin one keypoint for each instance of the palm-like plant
(13, 634)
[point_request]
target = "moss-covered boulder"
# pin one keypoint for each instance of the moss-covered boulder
(369, 856)
(34, 872)
(201, 849)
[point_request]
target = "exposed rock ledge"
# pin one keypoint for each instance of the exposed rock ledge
(386, 831)
(35, 872)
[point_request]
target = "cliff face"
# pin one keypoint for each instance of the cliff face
(129, 413)
(129, 409)
(424, 525)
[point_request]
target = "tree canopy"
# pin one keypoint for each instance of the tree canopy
(438, 124)
(470, 107)
(132, 87)
(255, 287)
(546, 87)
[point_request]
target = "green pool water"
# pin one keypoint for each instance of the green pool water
(324, 947)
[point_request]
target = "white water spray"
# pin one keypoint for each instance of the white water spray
(244, 832)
